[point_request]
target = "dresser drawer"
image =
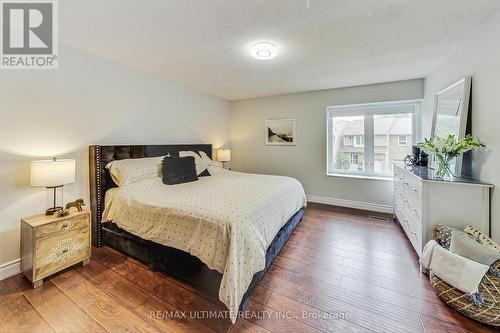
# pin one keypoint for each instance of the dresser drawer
(398, 177)
(61, 250)
(64, 225)
(413, 209)
(398, 194)
(399, 209)
(412, 186)
(415, 236)
(406, 225)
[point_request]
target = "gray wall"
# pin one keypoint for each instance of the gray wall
(307, 160)
(88, 100)
(478, 55)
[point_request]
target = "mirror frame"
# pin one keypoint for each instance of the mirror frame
(464, 113)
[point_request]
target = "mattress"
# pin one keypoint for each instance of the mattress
(227, 220)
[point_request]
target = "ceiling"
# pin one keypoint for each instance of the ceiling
(323, 43)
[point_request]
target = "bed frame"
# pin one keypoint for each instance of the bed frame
(176, 263)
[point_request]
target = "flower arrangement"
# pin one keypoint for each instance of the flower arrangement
(447, 148)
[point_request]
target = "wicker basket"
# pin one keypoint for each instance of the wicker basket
(489, 311)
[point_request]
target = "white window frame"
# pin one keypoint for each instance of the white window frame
(357, 158)
(405, 143)
(368, 110)
(354, 141)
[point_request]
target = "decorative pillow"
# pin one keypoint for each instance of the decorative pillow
(442, 234)
(178, 170)
(129, 171)
(205, 157)
(466, 246)
(201, 163)
(482, 238)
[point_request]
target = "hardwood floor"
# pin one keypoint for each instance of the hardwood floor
(339, 272)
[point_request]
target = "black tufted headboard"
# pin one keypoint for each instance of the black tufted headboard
(100, 179)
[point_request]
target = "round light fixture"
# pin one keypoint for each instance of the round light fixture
(264, 51)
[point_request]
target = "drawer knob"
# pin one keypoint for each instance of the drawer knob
(66, 224)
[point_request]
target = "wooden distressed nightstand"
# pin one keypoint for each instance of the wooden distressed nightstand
(50, 244)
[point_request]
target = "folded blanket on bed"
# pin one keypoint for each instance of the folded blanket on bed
(460, 272)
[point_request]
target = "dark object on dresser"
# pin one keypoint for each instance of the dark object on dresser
(178, 170)
(174, 262)
(418, 157)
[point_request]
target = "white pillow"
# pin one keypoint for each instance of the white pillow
(466, 246)
(205, 157)
(129, 171)
(200, 162)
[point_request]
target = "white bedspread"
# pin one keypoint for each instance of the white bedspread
(227, 220)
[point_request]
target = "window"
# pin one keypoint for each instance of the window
(363, 139)
(358, 140)
(348, 140)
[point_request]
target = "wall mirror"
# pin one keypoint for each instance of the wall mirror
(451, 108)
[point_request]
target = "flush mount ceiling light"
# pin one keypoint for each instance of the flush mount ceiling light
(264, 50)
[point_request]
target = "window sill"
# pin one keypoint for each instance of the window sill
(342, 175)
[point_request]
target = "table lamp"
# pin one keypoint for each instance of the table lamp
(224, 155)
(52, 174)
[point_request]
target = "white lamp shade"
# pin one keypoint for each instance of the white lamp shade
(224, 155)
(50, 173)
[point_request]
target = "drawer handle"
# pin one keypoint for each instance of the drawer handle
(407, 184)
(66, 224)
(414, 190)
(64, 251)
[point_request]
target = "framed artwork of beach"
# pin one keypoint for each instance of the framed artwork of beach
(280, 132)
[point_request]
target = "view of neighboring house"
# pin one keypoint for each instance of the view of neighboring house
(392, 141)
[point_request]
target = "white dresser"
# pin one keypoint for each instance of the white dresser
(421, 202)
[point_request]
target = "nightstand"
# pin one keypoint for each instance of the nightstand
(50, 244)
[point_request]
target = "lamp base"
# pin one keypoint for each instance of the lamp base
(53, 210)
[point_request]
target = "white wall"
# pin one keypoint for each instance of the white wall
(478, 55)
(89, 100)
(307, 160)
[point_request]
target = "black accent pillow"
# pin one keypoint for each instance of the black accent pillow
(178, 170)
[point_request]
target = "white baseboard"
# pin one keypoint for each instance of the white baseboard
(10, 269)
(351, 204)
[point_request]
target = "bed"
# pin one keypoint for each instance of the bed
(220, 233)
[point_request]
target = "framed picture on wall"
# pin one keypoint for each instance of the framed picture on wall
(280, 132)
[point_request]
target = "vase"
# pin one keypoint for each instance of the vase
(443, 169)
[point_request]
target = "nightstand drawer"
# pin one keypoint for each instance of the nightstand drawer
(61, 250)
(64, 225)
